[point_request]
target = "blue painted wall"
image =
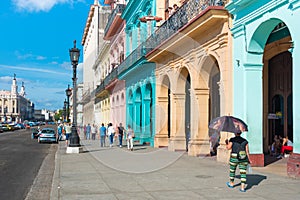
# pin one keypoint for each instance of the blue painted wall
(253, 22)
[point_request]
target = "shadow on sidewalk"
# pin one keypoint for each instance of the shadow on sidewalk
(252, 180)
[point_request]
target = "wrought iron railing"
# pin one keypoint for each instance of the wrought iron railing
(110, 77)
(135, 55)
(177, 20)
(119, 9)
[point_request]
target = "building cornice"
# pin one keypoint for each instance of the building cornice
(88, 23)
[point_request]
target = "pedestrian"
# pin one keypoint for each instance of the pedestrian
(130, 136)
(111, 134)
(102, 131)
(120, 133)
(94, 131)
(88, 131)
(68, 130)
(239, 156)
(84, 131)
(59, 131)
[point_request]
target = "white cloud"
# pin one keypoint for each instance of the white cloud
(26, 56)
(37, 5)
(42, 70)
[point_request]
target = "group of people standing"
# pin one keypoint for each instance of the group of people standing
(64, 131)
(111, 133)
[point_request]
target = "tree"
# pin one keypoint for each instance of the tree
(58, 115)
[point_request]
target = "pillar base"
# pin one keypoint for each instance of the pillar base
(257, 160)
(223, 154)
(177, 144)
(293, 165)
(161, 141)
(198, 147)
(74, 150)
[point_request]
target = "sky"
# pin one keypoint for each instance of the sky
(35, 38)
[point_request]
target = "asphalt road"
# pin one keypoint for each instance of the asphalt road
(20, 160)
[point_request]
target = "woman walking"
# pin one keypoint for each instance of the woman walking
(111, 134)
(239, 157)
(130, 136)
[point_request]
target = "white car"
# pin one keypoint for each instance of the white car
(48, 135)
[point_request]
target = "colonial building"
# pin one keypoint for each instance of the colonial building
(14, 106)
(92, 42)
(112, 86)
(266, 69)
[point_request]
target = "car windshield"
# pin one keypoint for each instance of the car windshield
(48, 131)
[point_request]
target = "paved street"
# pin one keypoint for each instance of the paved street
(20, 161)
(148, 173)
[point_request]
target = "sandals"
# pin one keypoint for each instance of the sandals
(228, 184)
(242, 190)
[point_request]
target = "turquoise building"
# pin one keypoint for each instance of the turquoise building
(137, 72)
(266, 36)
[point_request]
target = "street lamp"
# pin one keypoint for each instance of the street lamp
(74, 57)
(68, 93)
(65, 111)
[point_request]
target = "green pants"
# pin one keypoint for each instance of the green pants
(234, 162)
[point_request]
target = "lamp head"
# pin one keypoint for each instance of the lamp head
(74, 54)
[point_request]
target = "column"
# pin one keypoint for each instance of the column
(145, 137)
(293, 169)
(161, 137)
(199, 143)
(177, 139)
(137, 119)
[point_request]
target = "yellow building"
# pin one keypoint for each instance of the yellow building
(192, 52)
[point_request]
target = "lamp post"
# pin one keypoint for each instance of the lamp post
(64, 111)
(74, 57)
(68, 93)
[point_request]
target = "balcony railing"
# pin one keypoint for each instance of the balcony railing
(118, 10)
(113, 75)
(110, 77)
(177, 20)
(135, 55)
(181, 17)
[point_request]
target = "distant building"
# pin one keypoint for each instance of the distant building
(14, 106)
(39, 115)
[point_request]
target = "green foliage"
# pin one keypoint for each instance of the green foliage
(58, 115)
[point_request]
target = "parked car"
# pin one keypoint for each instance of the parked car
(34, 133)
(48, 135)
(1, 128)
(7, 127)
(19, 126)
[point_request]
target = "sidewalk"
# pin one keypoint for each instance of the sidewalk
(149, 173)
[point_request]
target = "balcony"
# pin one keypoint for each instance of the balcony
(186, 13)
(114, 22)
(106, 82)
(182, 17)
(110, 77)
(134, 57)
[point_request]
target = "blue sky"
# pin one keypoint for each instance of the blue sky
(35, 38)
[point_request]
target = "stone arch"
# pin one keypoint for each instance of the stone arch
(258, 40)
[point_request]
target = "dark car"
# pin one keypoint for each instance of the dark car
(48, 135)
(34, 133)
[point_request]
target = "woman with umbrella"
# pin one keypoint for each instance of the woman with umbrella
(239, 156)
(239, 147)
